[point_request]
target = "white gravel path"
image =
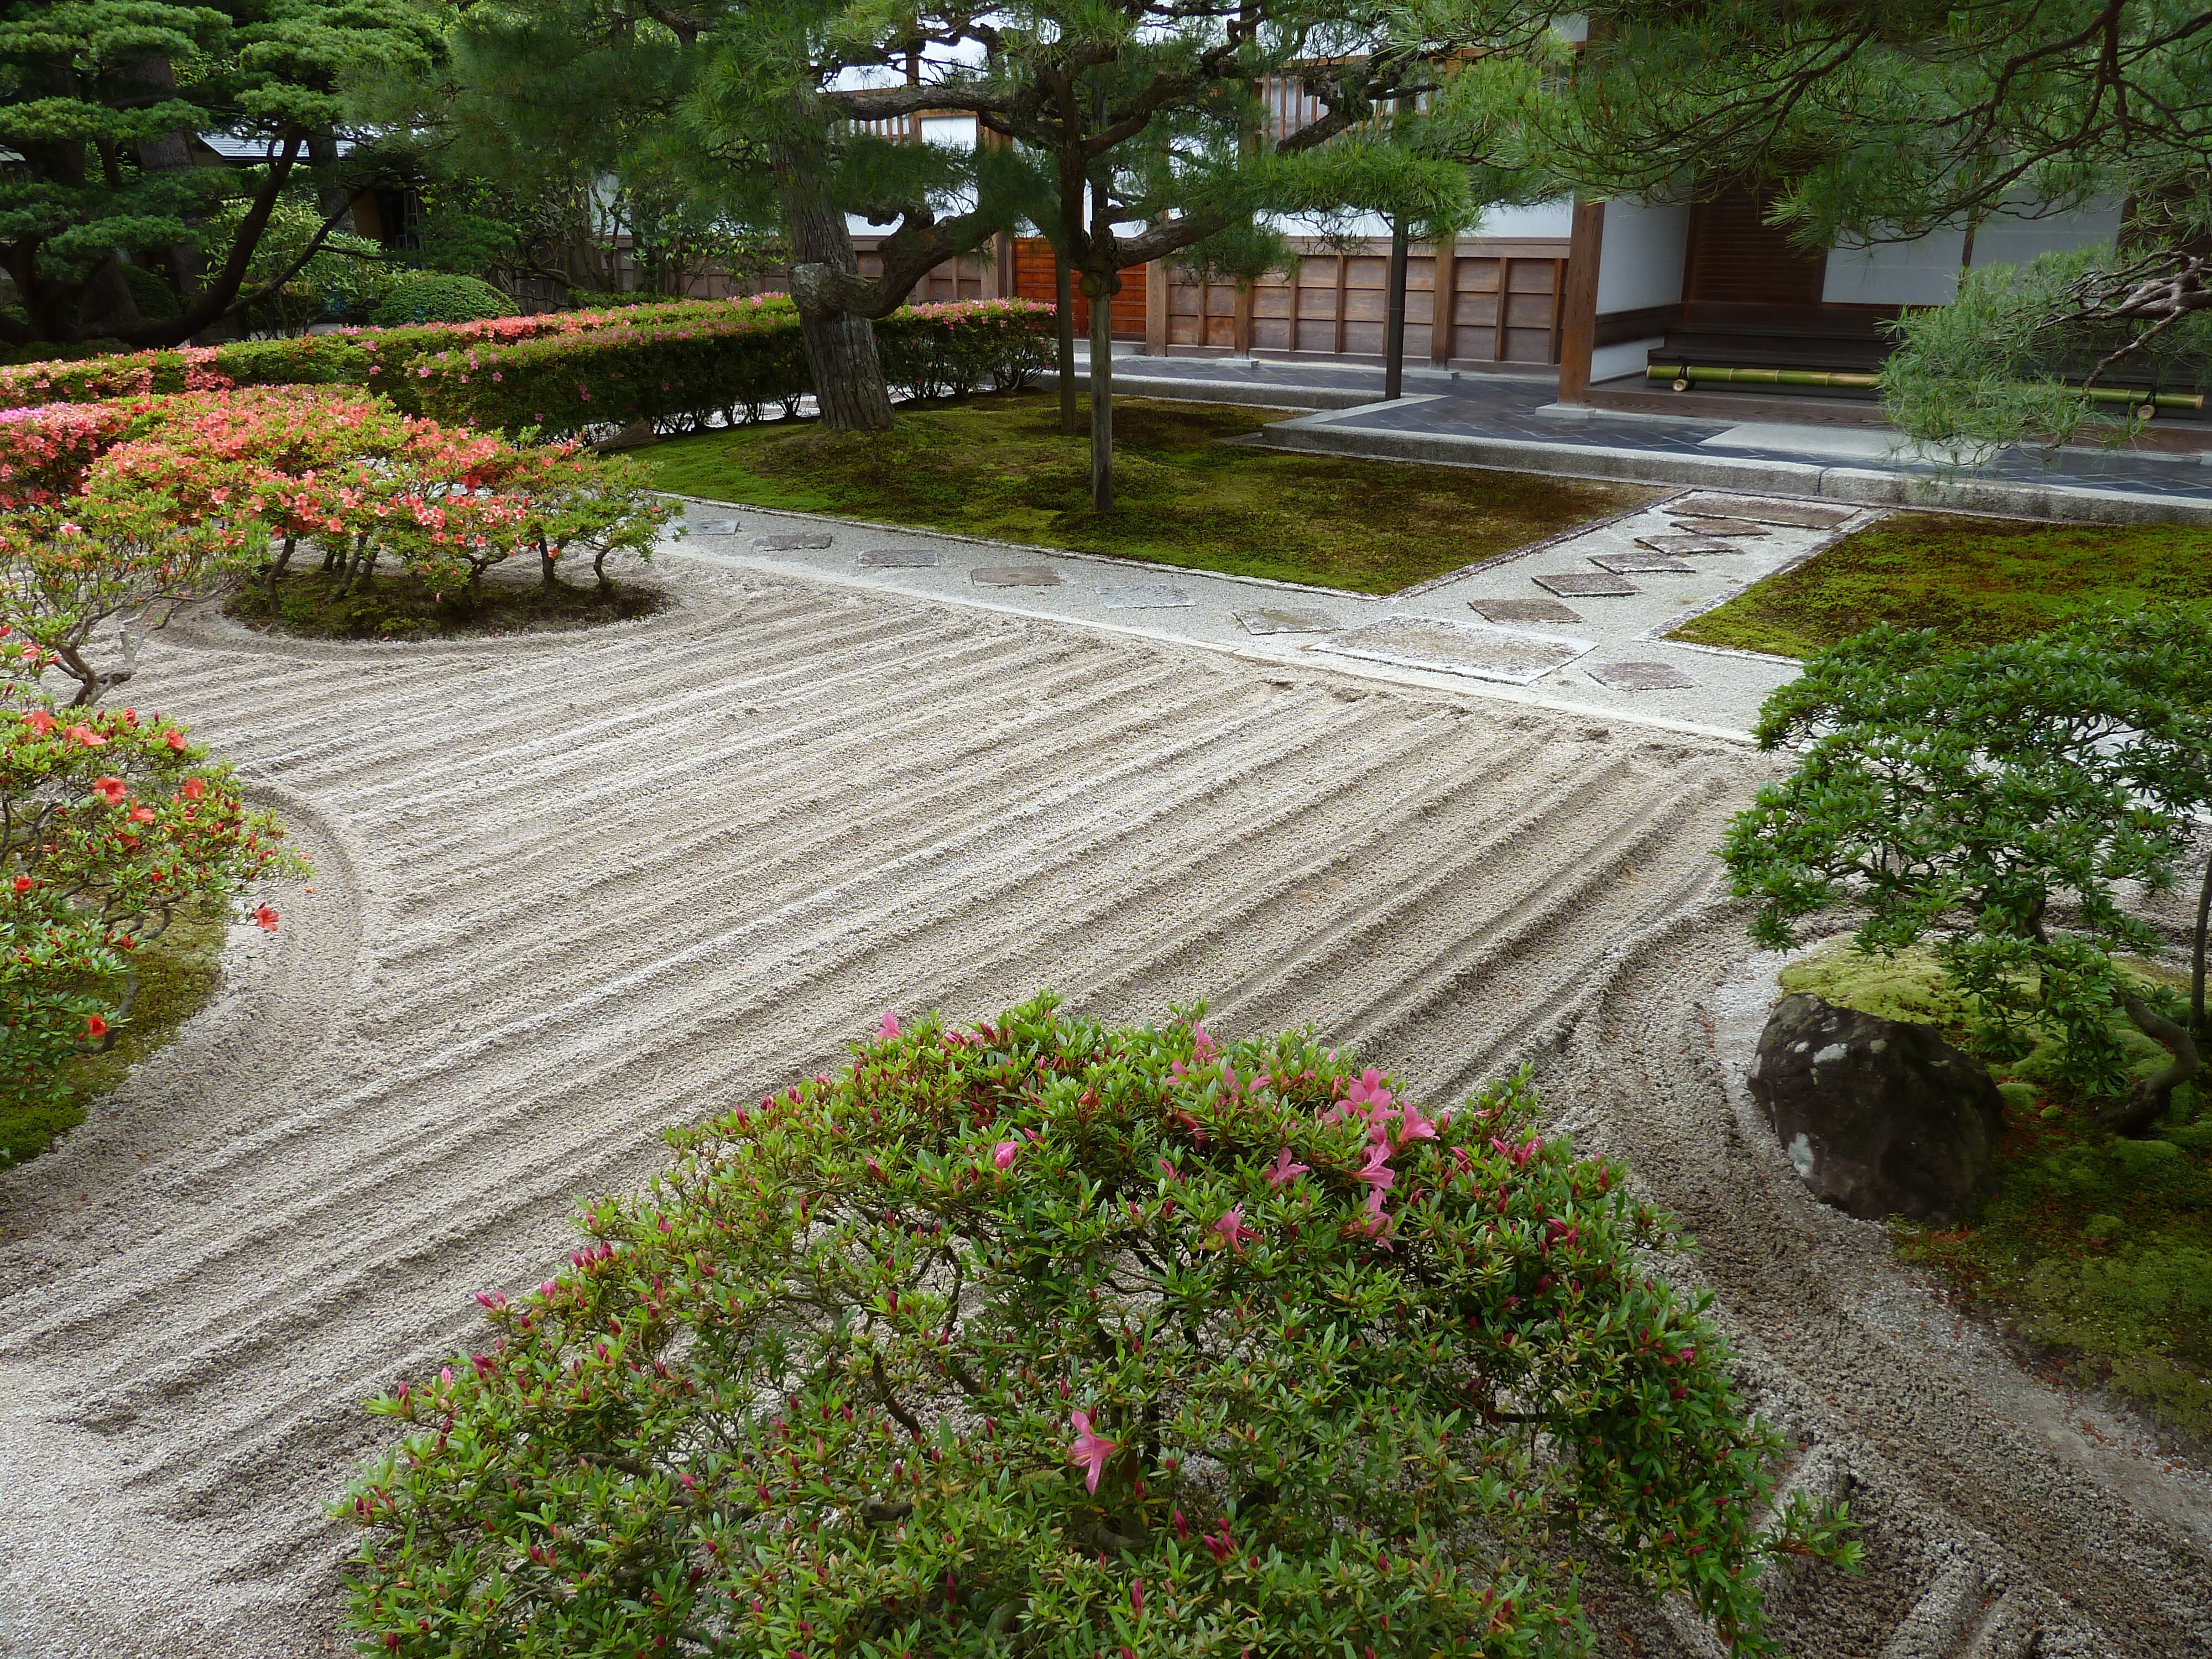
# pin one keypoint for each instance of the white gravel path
(572, 890)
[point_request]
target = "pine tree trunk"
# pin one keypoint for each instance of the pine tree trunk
(1063, 300)
(1102, 399)
(841, 348)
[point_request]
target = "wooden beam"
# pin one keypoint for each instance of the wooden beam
(1577, 307)
(1505, 294)
(1343, 269)
(1443, 302)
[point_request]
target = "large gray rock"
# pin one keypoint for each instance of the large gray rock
(1881, 1118)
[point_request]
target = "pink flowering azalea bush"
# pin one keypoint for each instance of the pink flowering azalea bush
(1046, 1338)
(110, 822)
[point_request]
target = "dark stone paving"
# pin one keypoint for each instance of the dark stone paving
(1672, 547)
(803, 542)
(1654, 564)
(1145, 596)
(1796, 514)
(1523, 610)
(1430, 642)
(714, 527)
(898, 558)
(1503, 408)
(1287, 619)
(1586, 584)
(1641, 677)
(1692, 525)
(1014, 575)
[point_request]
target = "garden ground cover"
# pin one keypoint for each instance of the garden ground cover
(1001, 467)
(1975, 581)
(397, 606)
(2095, 1248)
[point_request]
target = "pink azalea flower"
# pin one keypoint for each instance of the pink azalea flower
(1377, 1171)
(889, 1027)
(1220, 1549)
(1282, 1171)
(1005, 1153)
(1202, 1044)
(1232, 1229)
(1366, 1089)
(1411, 1125)
(1091, 1450)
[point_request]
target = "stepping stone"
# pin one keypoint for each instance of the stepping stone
(1800, 514)
(1523, 610)
(898, 558)
(1145, 596)
(804, 541)
(1014, 575)
(1291, 620)
(1674, 546)
(1641, 677)
(1696, 525)
(714, 527)
(1454, 647)
(1586, 584)
(1636, 564)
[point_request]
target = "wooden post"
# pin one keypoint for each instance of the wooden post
(1393, 316)
(1343, 270)
(1497, 346)
(1443, 302)
(1156, 308)
(1577, 322)
(1240, 318)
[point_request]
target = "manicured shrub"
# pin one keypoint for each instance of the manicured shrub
(45, 450)
(1049, 1339)
(959, 347)
(109, 824)
(441, 299)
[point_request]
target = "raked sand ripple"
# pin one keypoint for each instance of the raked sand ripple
(572, 890)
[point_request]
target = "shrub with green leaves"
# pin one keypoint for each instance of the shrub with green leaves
(1046, 1338)
(441, 299)
(109, 824)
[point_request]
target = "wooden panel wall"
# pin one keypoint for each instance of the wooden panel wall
(1033, 281)
(1501, 305)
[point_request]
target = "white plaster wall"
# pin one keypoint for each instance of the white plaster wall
(1924, 272)
(1640, 257)
(2005, 240)
(1628, 357)
(1539, 220)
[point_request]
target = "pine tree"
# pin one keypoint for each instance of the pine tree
(103, 100)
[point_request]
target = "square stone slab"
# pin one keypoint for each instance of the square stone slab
(1014, 575)
(1641, 677)
(802, 542)
(1586, 584)
(1145, 596)
(898, 558)
(1523, 610)
(1288, 620)
(715, 527)
(1803, 515)
(1454, 648)
(1693, 525)
(1672, 547)
(1635, 564)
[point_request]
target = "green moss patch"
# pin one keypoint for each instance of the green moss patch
(1001, 467)
(1975, 581)
(397, 607)
(177, 973)
(2096, 1249)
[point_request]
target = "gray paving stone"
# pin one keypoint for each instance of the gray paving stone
(1636, 564)
(714, 527)
(1014, 575)
(1674, 546)
(1641, 677)
(1802, 515)
(1145, 596)
(898, 558)
(1586, 584)
(1291, 619)
(801, 542)
(1694, 524)
(1523, 610)
(1454, 647)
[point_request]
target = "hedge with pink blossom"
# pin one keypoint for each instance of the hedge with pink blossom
(1046, 1338)
(677, 365)
(110, 822)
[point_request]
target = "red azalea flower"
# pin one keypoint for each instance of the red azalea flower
(193, 789)
(114, 789)
(265, 919)
(175, 739)
(94, 1026)
(24, 884)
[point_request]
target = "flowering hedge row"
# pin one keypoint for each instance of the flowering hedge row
(564, 372)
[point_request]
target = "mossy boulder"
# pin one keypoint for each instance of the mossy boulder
(1880, 1117)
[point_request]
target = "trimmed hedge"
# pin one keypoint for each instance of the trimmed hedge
(673, 364)
(441, 299)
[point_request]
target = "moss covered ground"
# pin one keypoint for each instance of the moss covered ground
(177, 973)
(397, 607)
(1975, 581)
(999, 466)
(2097, 1250)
